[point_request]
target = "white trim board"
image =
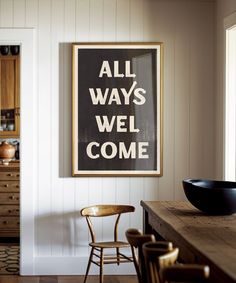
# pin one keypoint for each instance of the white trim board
(229, 23)
(25, 37)
(67, 265)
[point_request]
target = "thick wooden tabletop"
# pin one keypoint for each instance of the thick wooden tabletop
(204, 239)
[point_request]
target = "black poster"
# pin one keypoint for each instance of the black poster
(116, 109)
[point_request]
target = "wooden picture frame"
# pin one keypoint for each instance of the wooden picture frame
(117, 109)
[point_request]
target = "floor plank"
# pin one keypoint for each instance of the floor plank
(67, 279)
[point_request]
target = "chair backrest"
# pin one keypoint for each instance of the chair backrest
(191, 273)
(105, 210)
(157, 258)
(136, 240)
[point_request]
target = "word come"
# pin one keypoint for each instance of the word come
(110, 150)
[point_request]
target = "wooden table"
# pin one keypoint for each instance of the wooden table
(203, 239)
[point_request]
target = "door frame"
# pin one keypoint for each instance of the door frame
(229, 23)
(25, 37)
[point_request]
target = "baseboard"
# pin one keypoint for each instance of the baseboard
(76, 266)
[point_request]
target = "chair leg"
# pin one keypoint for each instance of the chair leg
(117, 256)
(101, 266)
(88, 266)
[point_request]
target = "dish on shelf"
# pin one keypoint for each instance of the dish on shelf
(5, 161)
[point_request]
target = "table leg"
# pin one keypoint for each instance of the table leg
(147, 228)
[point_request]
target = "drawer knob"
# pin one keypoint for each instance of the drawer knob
(6, 186)
(5, 222)
(17, 175)
(12, 197)
(10, 175)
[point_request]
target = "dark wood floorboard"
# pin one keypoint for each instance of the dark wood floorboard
(67, 279)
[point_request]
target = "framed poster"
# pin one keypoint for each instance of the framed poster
(116, 109)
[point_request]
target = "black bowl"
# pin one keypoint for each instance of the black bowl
(211, 197)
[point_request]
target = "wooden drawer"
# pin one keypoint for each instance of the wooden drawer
(9, 176)
(9, 198)
(9, 186)
(9, 210)
(9, 223)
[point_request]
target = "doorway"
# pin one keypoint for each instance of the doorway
(9, 159)
(25, 38)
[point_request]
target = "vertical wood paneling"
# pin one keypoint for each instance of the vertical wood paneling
(31, 20)
(165, 33)
(69, 183)
(208, 38)
(44, 129)
(57, 28)
(82, 184)
(81, 229)
(31, 13)
(96, 20)
(154, 23)
(82, 21)
(136, 184)
(109, 21)
(197, 94)
(108, 197)
(6, 16)
(123, 197)
(123, 20)
(19, 7)
(95, 197)
(188, 132)
(182, 89)
(150, 188)
(136, 20)
(136, 194)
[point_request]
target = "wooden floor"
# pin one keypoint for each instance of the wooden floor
(67, 279)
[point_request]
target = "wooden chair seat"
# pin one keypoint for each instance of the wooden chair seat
(97, 254)
(162, 268)
(136, 240)
(157, 258)
(188, 273)
(110, 245)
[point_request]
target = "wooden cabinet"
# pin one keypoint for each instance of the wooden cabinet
(10, 96)
(10, 200)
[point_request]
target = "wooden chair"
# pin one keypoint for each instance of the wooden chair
(97, 248)
(194, 273)
(157, 258)
(136, 240)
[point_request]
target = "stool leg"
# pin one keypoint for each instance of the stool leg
(88, 266)
(101, 266)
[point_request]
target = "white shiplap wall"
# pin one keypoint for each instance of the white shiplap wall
(187, 30)
(224, 9)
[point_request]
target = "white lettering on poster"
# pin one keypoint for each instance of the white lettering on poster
(110, 150)
(119, 123)
(106, 125)
(106, 70)
(113, 95)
